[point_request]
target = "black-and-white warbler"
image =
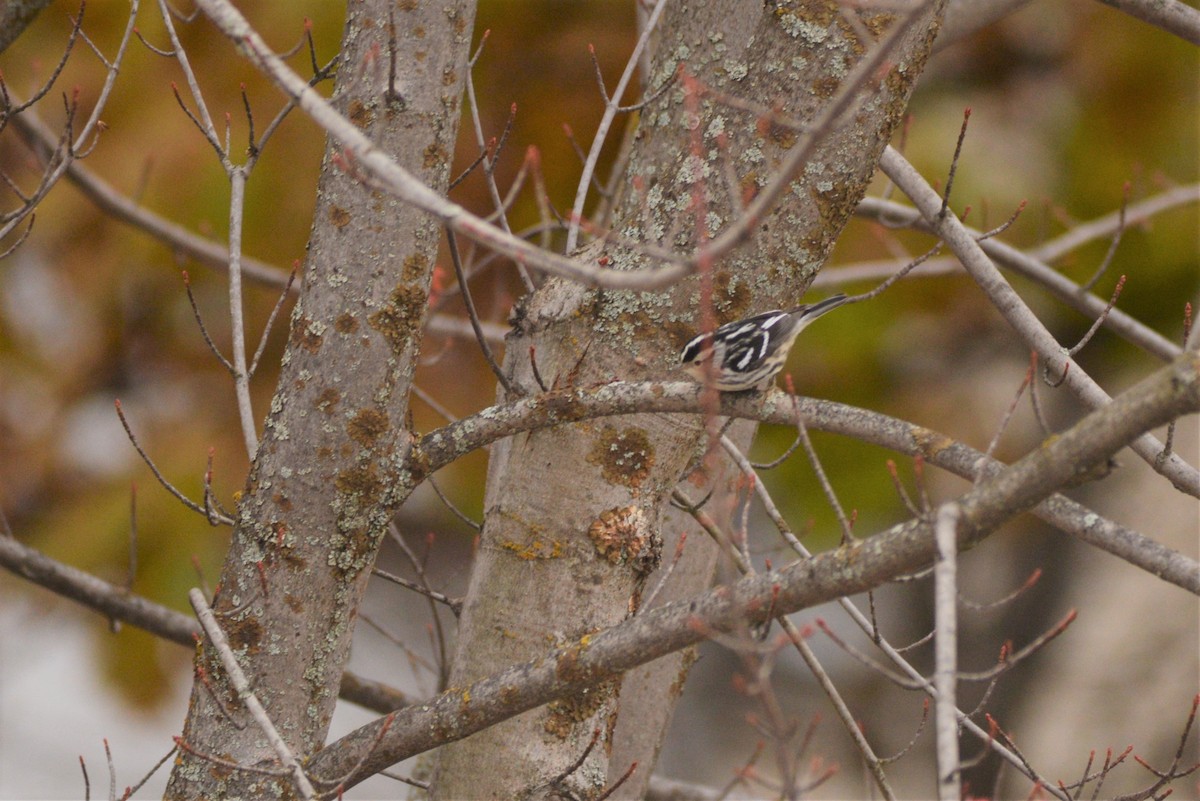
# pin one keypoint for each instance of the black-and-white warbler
(748, 353)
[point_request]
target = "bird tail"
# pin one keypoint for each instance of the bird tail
(808, 313)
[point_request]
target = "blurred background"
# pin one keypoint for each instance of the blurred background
(1070, 101)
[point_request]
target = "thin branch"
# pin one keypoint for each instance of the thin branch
(208, 340)
(850, 569)
(188, 502)
(1171, 16)
(209, 253)
(1183, 476)
(403, 185)
(962, 135)
(473, 315)
(262, 342)
(1112, 245)
(241, 374)
(444, 445)
(460, 514)
(826, 487)
(945, 644)
(1030, 265)
(610, 112)
(216, 636)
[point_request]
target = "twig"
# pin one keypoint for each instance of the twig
(1169, 445)
(945, 643)
(610, 112)
(87, 783)
(473, 315)
(262, 342)
(208, 340)
(460, 514)
(488, 163)
(1012, 407)
(962, 135)
(1091, 332)
(112, 771)
(819, 471)
(1030, 265)
(1182, 475)
(188, 502)
(1112, 246)
(131, 791)
(65, 153)
(238, 679)
(418, 566)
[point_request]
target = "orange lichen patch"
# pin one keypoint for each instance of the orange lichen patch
(415, 267)
(306, 335)
(360, 114)
(362, 483)
(536, 548)
(565, 714)
(243, 634)
(435, 156)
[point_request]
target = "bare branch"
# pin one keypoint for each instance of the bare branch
(444, 445)
(853, 568)
(1171, 16)
(1032, 266)
(610, 112)
(945, 643)
(1182, 475)
(216, 636)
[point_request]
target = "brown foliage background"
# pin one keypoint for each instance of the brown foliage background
(1070, 101)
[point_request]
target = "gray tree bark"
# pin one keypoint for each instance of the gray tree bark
(573, 515)
(323, 484)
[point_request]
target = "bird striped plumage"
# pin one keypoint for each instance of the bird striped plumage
(746, 354)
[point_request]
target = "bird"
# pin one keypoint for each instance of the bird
(747, 354)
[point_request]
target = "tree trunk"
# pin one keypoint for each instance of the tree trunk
(321, 490)
(573, 514)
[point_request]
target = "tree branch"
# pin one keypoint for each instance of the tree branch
(442, 446)
(1031, 330)
(857, 567)
(117, 603)
(1171, 16)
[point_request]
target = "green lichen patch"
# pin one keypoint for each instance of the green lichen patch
(624, 456)
(400, 319)
(361, 484)
(564, 714)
